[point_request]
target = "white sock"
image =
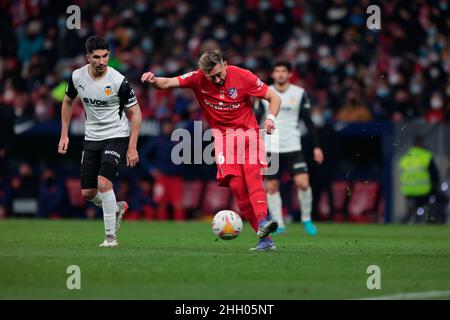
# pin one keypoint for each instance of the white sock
(305, 198)
(109, 211)
(276, 207)
(97, 200)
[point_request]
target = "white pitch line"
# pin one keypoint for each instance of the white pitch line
(411, 295)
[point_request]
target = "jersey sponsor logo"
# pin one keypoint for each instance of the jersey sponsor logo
(108, 90)
(233, 93)
(112, 152)
(222, 106)
(187, 75)
(95, 102)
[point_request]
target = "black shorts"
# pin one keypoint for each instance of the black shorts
(96, 153)
(293, 161)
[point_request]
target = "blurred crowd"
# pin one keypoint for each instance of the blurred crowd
(354, 74)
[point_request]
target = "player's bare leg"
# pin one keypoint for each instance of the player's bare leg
(304, 194)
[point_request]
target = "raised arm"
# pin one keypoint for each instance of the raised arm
(160, 82)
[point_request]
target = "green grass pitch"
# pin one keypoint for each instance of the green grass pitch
(167, 260)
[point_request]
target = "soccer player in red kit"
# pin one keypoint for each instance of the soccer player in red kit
(224, 93)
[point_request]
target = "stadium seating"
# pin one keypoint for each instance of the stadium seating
(363, 201)
(215, 198)
(323, 207)
(340, 191)
(192, 194)
(73, 187)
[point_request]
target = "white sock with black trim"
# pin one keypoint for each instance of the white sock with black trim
(276, 207)
(97, 200)
(305, 198)
(109, 212)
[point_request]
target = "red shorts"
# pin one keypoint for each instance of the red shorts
(236, 150)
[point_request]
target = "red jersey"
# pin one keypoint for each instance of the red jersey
(228, 106)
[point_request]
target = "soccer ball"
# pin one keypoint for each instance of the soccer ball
(227, 224)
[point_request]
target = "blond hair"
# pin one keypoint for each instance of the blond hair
(209, 60)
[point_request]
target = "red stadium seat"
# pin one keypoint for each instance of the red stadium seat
(363, 201)
(215, 198)
(192, 194)
(323, 207)
(73, 187)
(340, 190)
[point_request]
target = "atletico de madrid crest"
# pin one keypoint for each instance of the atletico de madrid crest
(233, 93)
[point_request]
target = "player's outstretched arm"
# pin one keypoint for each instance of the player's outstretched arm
(274, 108)
(160, 82)
(135, 124)
(66, 115)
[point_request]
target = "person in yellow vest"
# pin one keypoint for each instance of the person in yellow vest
(419, 181)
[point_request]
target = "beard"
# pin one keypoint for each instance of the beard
(100, 68)
(282, 81)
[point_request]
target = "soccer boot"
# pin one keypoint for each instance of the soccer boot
(109, 243)
(266, 228)
(264, 245)
(310, 228)
(122, 207)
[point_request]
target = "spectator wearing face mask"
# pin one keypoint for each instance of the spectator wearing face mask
(436, 111)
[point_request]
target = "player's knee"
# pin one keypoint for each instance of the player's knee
(106, 175)
(104, 184)
(88, 194)
(302, 184)
(272, 186)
